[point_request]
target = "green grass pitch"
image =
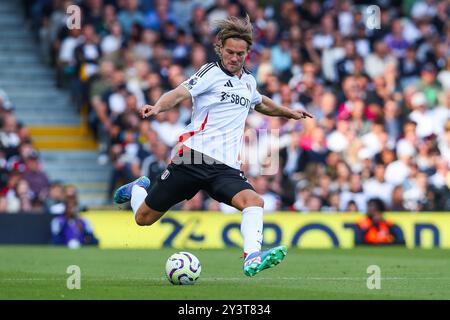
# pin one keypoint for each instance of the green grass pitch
(41, 273)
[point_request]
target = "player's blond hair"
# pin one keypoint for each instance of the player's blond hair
(234, 27)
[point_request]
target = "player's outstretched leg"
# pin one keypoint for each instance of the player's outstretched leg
(136, 193)
(123, 194)
(255, 260)
(261, 260)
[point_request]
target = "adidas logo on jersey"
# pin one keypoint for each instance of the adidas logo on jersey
(228, 84)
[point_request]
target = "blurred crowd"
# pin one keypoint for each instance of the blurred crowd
(379, 92)
(24, 185)
(26, 188)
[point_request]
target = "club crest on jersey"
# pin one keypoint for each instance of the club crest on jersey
(165, 174)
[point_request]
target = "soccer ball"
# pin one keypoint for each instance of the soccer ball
(183, 268)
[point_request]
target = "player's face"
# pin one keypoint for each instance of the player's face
(234, 52)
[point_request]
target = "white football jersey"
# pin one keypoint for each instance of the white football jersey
(221, 103)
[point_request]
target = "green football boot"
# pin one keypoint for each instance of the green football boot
(259, 261)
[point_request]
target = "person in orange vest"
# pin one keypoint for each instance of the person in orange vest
(374, 229)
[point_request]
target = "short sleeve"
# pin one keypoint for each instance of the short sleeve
(201, 81)
(256, 99)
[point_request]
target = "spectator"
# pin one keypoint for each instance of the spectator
(35, 176)
(20, 200)
(345, 66)
(332, 202)
(169, 130)
(67, 63)
(287, 98)
(94, 14)
(9, 135)
(341, 175)
(54, 203)
(345, 18)
(424, 9)
(272, 201)
(444, 142)
(113, 41)
(280, 55)
(130, 15)
(374, 229)
(303, 193)
(444, 76)
(355, 194)
(153, 165)
(324, 38)
(338, 140)
(421, 115)
(70, 229)
(313, 204)
(392, 121)
(265, 67)
(397, 199)
(124, 159)
(377, 185)
(88, 53)
(429, 84)
(361, 42)
(99, 84)
(375, 62)
(409, 67)
(395, 40)
(198, 58)
(217, 11)
(182, 10)
(442, 113)
(398, 171)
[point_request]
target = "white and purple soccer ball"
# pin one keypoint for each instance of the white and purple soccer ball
(183, 268)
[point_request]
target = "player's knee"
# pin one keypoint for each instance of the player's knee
(259, 202)
(147, 216)
(254, 201)
(142, 220)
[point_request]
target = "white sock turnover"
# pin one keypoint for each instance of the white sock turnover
(252, 229)
(138, 195)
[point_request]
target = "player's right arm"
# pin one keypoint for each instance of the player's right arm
(167, 101)
(191, 88)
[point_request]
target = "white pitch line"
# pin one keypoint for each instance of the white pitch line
(332, 278)
(237, 279)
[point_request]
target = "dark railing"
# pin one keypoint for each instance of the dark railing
(25, 228)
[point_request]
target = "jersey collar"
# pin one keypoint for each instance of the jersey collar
(219, 63)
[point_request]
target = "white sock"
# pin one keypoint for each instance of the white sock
(252, 229)
(138, 195)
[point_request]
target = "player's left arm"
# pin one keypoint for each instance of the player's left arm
(270, 108)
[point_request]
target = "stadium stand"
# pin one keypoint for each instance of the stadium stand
(380, 97)
(67, 151)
